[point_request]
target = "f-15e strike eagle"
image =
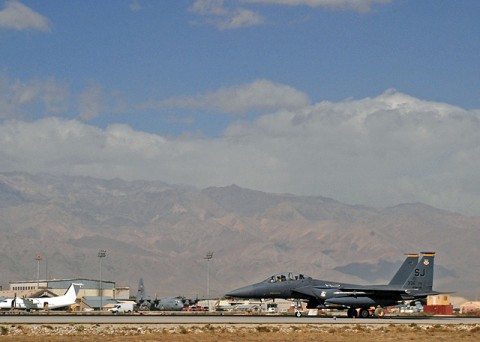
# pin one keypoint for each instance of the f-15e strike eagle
(413, 281)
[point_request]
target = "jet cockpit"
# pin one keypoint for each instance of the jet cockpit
(288, 276)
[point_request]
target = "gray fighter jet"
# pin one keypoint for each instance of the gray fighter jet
(413, 281)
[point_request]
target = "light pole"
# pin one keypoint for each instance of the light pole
(38, 258)
(208, 257)
(101, 254)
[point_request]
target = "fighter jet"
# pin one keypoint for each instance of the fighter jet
(412, 281)
(161, 304)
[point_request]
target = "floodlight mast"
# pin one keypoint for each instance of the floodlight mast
(208, 257)
(101, 254)
(38, 258)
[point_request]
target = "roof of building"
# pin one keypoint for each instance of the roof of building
(65, 283)
(27, 293)
(96, 302)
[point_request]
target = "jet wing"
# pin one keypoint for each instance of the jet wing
(383, 290)
(373, 291)
(376, 291)
(370, 288)
(356, 291)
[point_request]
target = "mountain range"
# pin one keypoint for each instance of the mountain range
(162, 232)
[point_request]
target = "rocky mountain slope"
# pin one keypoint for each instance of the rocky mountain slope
(162, 232)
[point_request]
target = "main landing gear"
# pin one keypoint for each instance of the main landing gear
(352, 313)
(357, 312)
(365, 312)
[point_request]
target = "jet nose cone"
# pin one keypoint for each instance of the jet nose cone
(243, 292)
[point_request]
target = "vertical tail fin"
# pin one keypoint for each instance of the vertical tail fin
(72, 292)
(404, 271)
(421, 277)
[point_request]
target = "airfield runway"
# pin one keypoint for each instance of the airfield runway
(226, 320)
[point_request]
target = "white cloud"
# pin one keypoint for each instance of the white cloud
(91, 103)
(236, 15)
(216, 13)
(238, 18)
(44, 97)
(382, 151)
(94, 101)
(356, 5)
(258, 95)
(135, 6)
(19, 17)
(16, 97)
(54, 96)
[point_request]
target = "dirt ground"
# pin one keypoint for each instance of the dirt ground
(203, 333)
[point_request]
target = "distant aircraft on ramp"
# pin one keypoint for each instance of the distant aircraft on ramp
(42, 303)
(160, 304)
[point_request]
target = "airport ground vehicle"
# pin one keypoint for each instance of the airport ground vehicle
(272, 307)
(122, 307)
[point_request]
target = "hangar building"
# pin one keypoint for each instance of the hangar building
(90, 288)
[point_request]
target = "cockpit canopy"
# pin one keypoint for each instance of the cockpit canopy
(288, 276)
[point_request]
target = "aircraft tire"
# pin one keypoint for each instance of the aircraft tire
(352, 313)
(364, 313)
(298, 314)
(379, 312)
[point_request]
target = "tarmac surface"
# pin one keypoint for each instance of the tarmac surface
(226, 319)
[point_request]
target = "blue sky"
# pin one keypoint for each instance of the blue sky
(366, 101)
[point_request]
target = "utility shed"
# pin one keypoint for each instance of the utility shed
(440, 299)
(440, 304)
(438, 309)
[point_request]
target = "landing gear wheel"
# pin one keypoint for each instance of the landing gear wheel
(379, 312)
(298, 314)
(352, 313)
(364, 313)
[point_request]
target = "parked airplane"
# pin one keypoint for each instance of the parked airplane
(160, 304)
(409, 283)
(40, 303)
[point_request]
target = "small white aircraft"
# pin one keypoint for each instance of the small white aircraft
(38, 303)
